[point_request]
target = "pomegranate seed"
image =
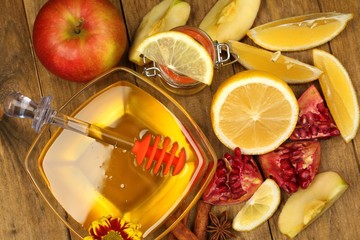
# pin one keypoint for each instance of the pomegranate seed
(314, 130)
(304, 174)
(289, 172)
(290, 187)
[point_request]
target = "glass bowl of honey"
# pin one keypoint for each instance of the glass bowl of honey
(84, 179)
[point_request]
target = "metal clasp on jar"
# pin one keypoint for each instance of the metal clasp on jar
(223, 55)
(151, 71)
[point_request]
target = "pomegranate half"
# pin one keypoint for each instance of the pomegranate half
(315, 120)
(236, 179)
(292, 165)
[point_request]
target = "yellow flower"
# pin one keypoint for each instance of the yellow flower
(109, 228)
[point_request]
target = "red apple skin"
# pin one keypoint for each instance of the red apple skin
(78, 40)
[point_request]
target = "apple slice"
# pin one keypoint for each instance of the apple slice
(306, 205)
(230, 19)
(167, 15)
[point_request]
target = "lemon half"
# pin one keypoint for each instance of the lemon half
(255, 111)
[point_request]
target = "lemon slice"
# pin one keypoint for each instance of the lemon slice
(339, 93)
(255, 111)
(300, 32)
(180, 53)
(286, 68)
(259, 208)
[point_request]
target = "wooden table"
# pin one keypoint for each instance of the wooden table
(25, 215)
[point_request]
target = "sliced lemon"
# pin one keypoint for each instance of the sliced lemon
(286, 68)
(180, 53)
(300, 32)
(339, 93)
(259, 208)
(255, 111)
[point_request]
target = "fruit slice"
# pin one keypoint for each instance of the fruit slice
(293, 164)
(236, 179)
(306, 205)
(230, 19)
(315, 120)
(255, 111)
(286, 68)
(180, 53)
(259, 208)
(165, 16)
(300, 32)
(339, 93)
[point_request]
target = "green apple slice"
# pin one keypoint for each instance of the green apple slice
(230, 19)
(166, 15)
(306, 205)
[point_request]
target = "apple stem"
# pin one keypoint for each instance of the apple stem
(79, 26)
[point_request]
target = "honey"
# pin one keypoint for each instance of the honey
(91, 179)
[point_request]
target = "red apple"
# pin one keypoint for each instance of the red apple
(79, 39)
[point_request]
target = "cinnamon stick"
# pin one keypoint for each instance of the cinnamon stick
(201, 219)
(171, 236)
(185, 221)
(181, 231)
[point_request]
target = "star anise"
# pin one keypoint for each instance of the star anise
(220, 227)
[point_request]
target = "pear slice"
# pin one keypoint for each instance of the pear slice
(306, 205)
(167, 15)
(230, 19)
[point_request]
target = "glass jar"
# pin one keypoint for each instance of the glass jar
(183, 85)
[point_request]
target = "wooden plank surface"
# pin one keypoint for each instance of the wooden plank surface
(25, 215)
